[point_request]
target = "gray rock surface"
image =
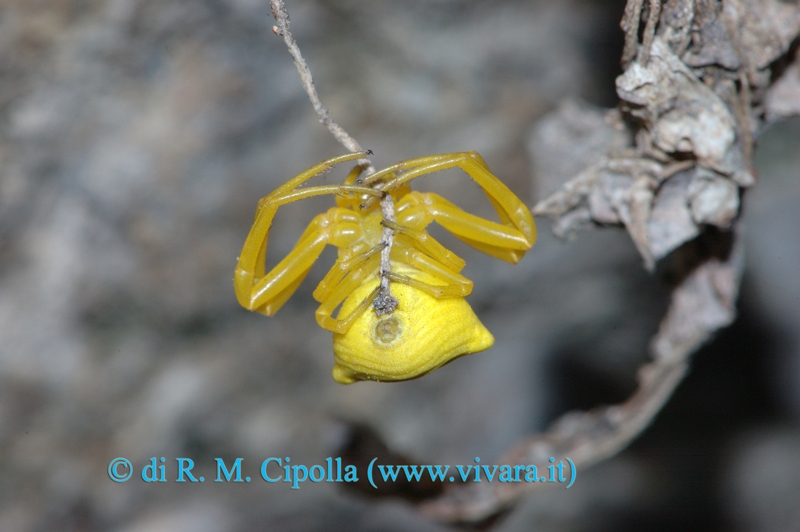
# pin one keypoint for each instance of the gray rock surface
(136, 137)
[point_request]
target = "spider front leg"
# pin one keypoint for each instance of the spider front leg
(499, 241)
(507, 240)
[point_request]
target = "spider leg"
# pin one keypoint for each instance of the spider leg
(337, 296)
(410, 167)
(427, 244)
(498, 240)
(266, 293)
(456, 284)
(344, 265)
(507, 240)
(314, 171)
(277, 301)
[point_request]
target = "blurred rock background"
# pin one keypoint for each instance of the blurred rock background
(136, 137)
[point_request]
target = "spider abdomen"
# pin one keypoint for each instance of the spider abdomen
(422, 334)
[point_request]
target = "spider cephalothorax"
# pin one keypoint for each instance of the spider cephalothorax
(432, 323)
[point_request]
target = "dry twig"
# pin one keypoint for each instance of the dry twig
(385, 303)
(282, 30)
(691, 160)
(630, 25)
(649, 31)
(701, 304)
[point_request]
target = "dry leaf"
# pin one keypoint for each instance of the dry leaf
(682, 114)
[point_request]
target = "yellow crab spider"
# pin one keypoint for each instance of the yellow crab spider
(432, 323)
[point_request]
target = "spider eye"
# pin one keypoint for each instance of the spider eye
(387, 330)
